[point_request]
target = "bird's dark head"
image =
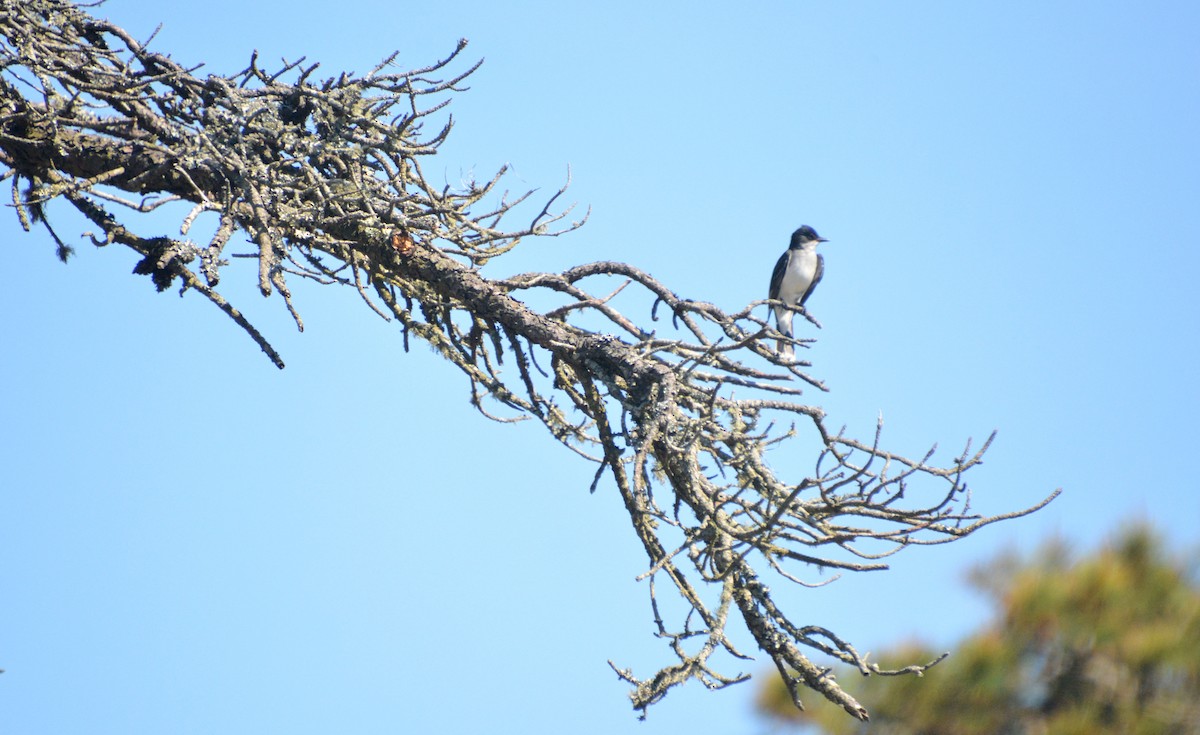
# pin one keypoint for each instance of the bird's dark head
(804, 236)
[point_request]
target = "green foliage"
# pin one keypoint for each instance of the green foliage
(1108, 643)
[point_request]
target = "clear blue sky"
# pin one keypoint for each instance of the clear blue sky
(196, 542)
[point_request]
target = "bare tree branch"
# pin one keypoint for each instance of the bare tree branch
(324, 179)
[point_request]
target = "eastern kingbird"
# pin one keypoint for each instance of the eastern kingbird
(797, 273)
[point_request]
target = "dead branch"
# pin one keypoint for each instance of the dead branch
(324, 180)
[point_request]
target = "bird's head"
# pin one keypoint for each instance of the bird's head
(804, 236)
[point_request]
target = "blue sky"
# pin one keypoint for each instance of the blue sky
(197, 542)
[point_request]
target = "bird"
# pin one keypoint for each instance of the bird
(796, 274)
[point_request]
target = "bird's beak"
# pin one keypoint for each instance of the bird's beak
(821, 239)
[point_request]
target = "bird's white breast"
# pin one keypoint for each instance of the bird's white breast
(801, 269)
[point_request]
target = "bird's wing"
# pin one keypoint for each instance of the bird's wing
(777, 274)
(816, 278)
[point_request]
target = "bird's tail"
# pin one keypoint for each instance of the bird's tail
(783, 322)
